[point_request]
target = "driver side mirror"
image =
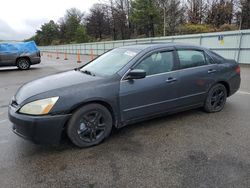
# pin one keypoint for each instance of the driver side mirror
(136, 74)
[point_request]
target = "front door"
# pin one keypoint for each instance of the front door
(155, 93)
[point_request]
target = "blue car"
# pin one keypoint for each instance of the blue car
(22, 54)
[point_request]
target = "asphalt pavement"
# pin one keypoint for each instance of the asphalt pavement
(188, 149)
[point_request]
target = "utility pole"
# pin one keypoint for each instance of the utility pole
(164, 20)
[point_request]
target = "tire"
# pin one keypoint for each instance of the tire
(89, 125)
(216, 99)
(23, 64)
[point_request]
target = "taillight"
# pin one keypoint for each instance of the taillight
(237, 70)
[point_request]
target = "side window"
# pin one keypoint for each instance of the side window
(191, 58)
(156, 63)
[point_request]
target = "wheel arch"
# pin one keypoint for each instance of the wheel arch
(23, 57)
(101, 102)
(227, 86)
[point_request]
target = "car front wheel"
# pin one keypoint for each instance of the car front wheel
(23, 64)
(216, 98)
(89, 125)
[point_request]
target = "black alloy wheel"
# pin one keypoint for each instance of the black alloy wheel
(216, 98)
(92, 126)
(23, 64)
(89, 125)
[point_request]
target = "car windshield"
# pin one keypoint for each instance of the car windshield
(110, 63)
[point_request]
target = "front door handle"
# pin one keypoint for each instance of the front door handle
(210, 71)
(171, 80)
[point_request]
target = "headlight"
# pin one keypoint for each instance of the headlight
(39, 107)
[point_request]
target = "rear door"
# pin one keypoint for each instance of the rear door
(8, 54)
(155, 93)
(197, 73)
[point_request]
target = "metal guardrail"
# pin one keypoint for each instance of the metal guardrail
(230, 44)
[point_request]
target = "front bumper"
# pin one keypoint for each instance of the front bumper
(38, 129)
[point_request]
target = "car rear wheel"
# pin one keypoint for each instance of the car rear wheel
(89, 125)
(23, 64)
(216, 99)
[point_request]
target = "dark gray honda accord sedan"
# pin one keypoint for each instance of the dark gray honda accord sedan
(123, 86)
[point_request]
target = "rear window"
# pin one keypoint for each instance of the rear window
(216, 57)
(7, 47)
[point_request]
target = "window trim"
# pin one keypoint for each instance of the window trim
(177, 70)
(214, 62)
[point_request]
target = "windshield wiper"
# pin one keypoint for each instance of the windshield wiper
(88, 72)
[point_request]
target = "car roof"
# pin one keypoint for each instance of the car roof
(153, 46)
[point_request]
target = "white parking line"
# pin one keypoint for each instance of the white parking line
(3, 141)
(244, 92)
(3, 121)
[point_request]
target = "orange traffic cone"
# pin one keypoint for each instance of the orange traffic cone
(78, 57)
(65, 55)
(91, 55)
(57, 57)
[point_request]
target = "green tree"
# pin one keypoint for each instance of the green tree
(48, 32)
(146, 16)
(174, 16)
(190, 28)
(71, 24)
(81, 34)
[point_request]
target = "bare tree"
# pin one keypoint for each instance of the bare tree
(220, 12)
(245, 14)
(195, 11)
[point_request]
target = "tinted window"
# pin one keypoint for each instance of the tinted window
(8, 47)
(156, 63)
(191, 58)
(217, 57)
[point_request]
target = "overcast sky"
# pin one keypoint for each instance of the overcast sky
(19, 19)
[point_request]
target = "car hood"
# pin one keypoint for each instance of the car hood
(53, 82)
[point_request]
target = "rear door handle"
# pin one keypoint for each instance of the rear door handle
(170, 80)
(211, 71)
